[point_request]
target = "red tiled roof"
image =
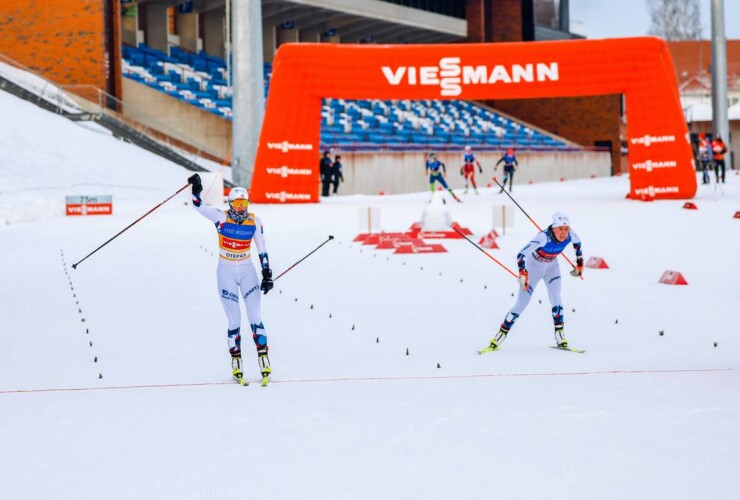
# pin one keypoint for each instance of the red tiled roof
(694, 58)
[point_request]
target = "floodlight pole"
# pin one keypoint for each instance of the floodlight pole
(720, 122)
(248, 104)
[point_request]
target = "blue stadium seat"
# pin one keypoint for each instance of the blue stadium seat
(388, 122)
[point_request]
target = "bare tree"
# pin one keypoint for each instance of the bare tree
(675, 19)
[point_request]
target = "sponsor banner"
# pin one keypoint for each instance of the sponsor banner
(286, 146)
(649, 165)
(412, 249)
(89, 205)
(287, 197)
(375, 238)
(653, 191)
(392, 244)
(235, 245)
(648, 140)
(449, 75)
(436, 235)
(284, 171)
(286, 167)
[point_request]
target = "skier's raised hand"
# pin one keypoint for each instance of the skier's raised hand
(197, 184)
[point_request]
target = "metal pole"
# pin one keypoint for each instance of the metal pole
(564, 15)
(248, 100)
(719, 74)
(227, 42)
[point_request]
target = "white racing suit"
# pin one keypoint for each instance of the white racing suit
(235, 273)
(540, 258)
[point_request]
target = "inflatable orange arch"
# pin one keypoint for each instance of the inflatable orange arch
(660, 154)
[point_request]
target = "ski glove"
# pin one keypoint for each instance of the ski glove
(523, 279)
(197, 185)
(578, 270)
(266, 285)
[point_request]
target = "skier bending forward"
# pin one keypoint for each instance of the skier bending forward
(236, 229)
(538, 260)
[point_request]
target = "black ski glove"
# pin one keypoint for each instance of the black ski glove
(578, 270)
(197, 185)
(266, 285)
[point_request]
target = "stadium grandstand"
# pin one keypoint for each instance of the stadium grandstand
(200, 79)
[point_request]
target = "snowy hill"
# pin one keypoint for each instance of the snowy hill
(349, 414)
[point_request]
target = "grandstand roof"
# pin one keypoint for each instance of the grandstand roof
(354, 20)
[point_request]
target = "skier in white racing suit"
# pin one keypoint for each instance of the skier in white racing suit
(237, 229)
(539, 260)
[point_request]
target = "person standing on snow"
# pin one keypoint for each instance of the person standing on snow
(704, 159)
(468, 169)
(537, 261)
(510, 164)
(719, 148)
(325, 168)
(336, 173)
(237, 229)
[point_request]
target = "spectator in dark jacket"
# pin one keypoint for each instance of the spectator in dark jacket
(336, 173)
(325, 170)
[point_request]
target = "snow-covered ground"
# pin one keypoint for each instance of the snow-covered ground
(349, 414)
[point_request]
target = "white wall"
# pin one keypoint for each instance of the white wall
(393, 173)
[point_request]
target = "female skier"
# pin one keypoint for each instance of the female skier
(536, 261)
(236, 229)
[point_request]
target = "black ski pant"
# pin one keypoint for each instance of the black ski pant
(719, 166)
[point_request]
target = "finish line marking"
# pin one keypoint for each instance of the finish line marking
(364, 379)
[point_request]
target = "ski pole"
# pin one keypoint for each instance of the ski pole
(304, 258)
(531, 220)
(74, 266)
(486, 253)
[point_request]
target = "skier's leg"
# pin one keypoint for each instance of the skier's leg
(554, 284)
(229, 293)
(249, 285)
(535, 270)
(511, 180)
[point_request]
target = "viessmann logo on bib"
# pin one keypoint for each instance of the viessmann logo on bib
(449, 75)
(282, 196)
(649, 165)
(286, 171)
(648, 140)
(286, 146)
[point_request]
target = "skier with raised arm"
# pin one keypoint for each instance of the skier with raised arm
(236, 275)
(538, 261)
